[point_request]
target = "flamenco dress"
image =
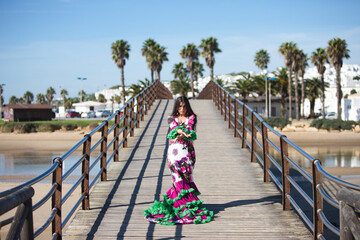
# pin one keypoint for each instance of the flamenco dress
(181, 204)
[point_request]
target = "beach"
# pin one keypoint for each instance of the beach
(64, 140)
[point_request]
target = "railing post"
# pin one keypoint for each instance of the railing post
(56, 199)
(245, 113)
(104, 135)
(218, 98)
(85, 171)
(146, 99)
(143, 105)
(132, 119)
(253, 137)
(125, 126)
(116, 136)
(230, 110)
(265, 143)
(225, 106)
(221, 101)
(236, 134)
(213, 92)
(317, 201)
(285, 173)
(138, 112)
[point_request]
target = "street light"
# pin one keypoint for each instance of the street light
(81, 79)
(1, 103)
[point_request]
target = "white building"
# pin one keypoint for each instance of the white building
(89, 106)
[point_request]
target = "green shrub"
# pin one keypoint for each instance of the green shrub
(336, 124)
(25, 127)
(7, 128)
(48, 127)
(277, 122)
(70, 127)
(348, 125)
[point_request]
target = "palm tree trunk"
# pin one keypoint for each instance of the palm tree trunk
(322, 95)
(289, 90)
(338, 91)
(312, 106)
(302, 97)
(192, 84)
(158, 73)
(152, 75)
(282, 107)
(212, 73)
(297, 96)
(123, 84)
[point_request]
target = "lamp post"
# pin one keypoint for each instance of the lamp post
(81, 79)
(1, 103)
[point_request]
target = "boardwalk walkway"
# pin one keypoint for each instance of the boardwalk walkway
(231, 186)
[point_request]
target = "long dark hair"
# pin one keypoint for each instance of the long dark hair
(189, 111)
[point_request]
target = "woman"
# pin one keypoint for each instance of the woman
(181, 204)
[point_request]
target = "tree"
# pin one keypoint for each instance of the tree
(13, 100)
(209, 47)
(313, 89)
(147, 51)
(135, 89)
(243, 86)
(280, 87)
(287, 49)
(296, 62)
(28, 97)
(337, 50)
(21, 100)
(302, 66)
(117, 99)
(181, 86)
(158, 56)
(262, 60)
(319, 58)
(63, 94)
(40, 98)
(68, 103)
(82, 94)
(191, 54)
(179, 71)
(112, 100)
(50, 92)
(198, 70)
(101, 98)
(120, 52)
(144, 84)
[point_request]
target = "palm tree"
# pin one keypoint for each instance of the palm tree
(28, 97)
(191, 53)
(101, 98)
(243, 86)
(135, 89)
(280, 87)
(209, 47)
(13, 100)
(301, 72)
(296, 61)
(220, 81)
(287, 49)
(181, 86)
(144, 84)
(198, 70)
(262, 60)
(50, 92)
(179, 71)
(319, 58)
(337, 50)
(158, 57)
(68, 103)
(112, 100)
(313, 88)
(63, 94)
(81, 94)
(21, 100)
(40, 98)
(120, 52)
(147, 51)
(117, 99)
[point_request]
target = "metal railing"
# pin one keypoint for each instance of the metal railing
(125, 120)
(311, 185)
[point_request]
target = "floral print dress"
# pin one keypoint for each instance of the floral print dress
(181, 204)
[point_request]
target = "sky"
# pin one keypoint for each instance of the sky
(49, 43)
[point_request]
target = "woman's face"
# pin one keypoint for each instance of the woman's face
(182, 109)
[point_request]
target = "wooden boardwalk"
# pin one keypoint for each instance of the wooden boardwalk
(244, 206)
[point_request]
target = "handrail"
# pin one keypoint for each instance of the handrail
(127, 118)
(245, 122)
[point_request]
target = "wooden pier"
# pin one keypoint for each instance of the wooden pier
(244, 206)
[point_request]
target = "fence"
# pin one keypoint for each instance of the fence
(125, 119)
(300, 188)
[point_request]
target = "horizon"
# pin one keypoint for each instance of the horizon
(47, 44)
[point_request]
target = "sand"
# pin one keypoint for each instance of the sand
(63, 141)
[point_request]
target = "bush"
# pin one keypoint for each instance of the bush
(277, 122)
(70, 127)
(48, 127)
(335, 124)
(7, 128)
(25, 128)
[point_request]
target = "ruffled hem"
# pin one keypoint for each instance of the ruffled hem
(173, 133)
(182, 208)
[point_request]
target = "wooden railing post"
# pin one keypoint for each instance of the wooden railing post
(146, 99)
(126, 112)
(244, 132)
(213, 91)
(85, 171)
(132, 118)
(217, 101)
(317, 201)
(285, 173)
(236, 134)
(116, 136)
(265, 143)
(221, 101)
(225, 106)
(143, 95)
(230, 110)
(56, 198)
(253, 137)
(138, 112)
(104, 135)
